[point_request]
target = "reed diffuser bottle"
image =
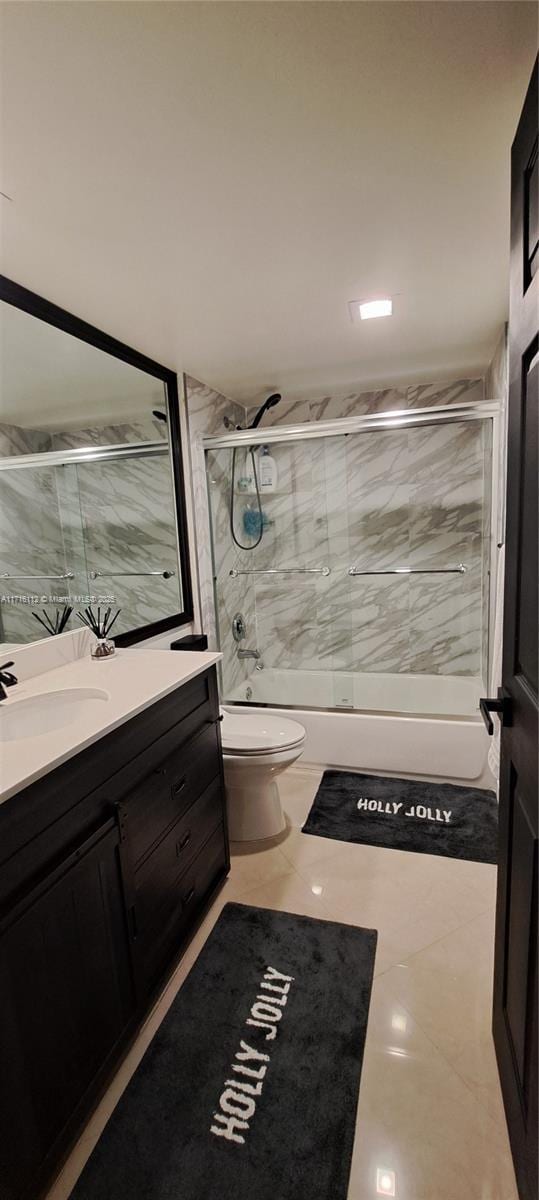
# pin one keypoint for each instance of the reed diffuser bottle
(100, 626)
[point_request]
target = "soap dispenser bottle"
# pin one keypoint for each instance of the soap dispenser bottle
(267, 471)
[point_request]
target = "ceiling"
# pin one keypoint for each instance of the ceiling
(214, 182)
(51, 380)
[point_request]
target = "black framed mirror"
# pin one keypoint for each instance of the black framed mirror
(92, 490)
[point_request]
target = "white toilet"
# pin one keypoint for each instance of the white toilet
(256, 749)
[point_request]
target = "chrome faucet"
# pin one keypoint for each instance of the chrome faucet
(249, 654)
(7, 679)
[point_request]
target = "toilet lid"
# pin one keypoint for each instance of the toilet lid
(252, 733)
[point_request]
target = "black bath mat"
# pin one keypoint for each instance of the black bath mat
(404, 814)
(249, 1089)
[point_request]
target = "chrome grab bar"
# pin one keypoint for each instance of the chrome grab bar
(66, 575)
(284, 571)
(129, 574)
(458, 570)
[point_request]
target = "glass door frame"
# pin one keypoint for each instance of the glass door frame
(480, 410)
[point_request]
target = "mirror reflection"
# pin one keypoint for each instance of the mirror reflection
(87, 507)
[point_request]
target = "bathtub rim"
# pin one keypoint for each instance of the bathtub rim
(396, 744)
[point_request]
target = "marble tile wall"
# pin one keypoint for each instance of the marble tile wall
(150, 430)
(26, 547)
(119, 516)
(206, 414)
(497, 376)
(72, 529)
(373, 501)
(352, 403)
(233, 595)
(15, 440)
(104, 516)
(128, 525)
(417, 497)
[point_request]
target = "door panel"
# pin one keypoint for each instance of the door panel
(515, 1017)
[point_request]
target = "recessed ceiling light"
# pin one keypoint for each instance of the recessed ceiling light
(375, 308)
(385, 1182)
(365, 310)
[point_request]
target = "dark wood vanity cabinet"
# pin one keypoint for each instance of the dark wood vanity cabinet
(65, 999)
(105, 865)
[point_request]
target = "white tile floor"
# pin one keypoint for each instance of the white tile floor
(430, 1116)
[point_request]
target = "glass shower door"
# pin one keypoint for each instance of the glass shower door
(369, 586)
(276, 585)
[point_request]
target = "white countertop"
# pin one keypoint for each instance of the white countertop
(132, 679)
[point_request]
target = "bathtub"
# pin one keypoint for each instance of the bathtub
(398, 724)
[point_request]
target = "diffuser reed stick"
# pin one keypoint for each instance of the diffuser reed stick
(61, 617)
(99, 624)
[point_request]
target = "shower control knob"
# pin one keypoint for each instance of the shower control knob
(239, 628)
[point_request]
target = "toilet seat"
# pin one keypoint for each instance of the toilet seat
(256, 735)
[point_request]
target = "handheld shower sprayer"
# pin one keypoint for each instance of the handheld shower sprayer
(269, 403)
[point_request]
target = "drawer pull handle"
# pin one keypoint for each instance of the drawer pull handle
(187, 899)
(178, 787)
(184, 841)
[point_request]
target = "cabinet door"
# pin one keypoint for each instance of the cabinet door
(65, 998)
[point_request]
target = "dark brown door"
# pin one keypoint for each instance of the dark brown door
(515, 975)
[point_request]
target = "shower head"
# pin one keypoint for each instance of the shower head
(161, 416)
(269, 403)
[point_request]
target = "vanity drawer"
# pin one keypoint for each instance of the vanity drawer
(169, 789)
(156, 881)
(161, 937)
(144, 759)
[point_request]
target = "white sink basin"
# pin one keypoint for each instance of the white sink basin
(35, 716)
